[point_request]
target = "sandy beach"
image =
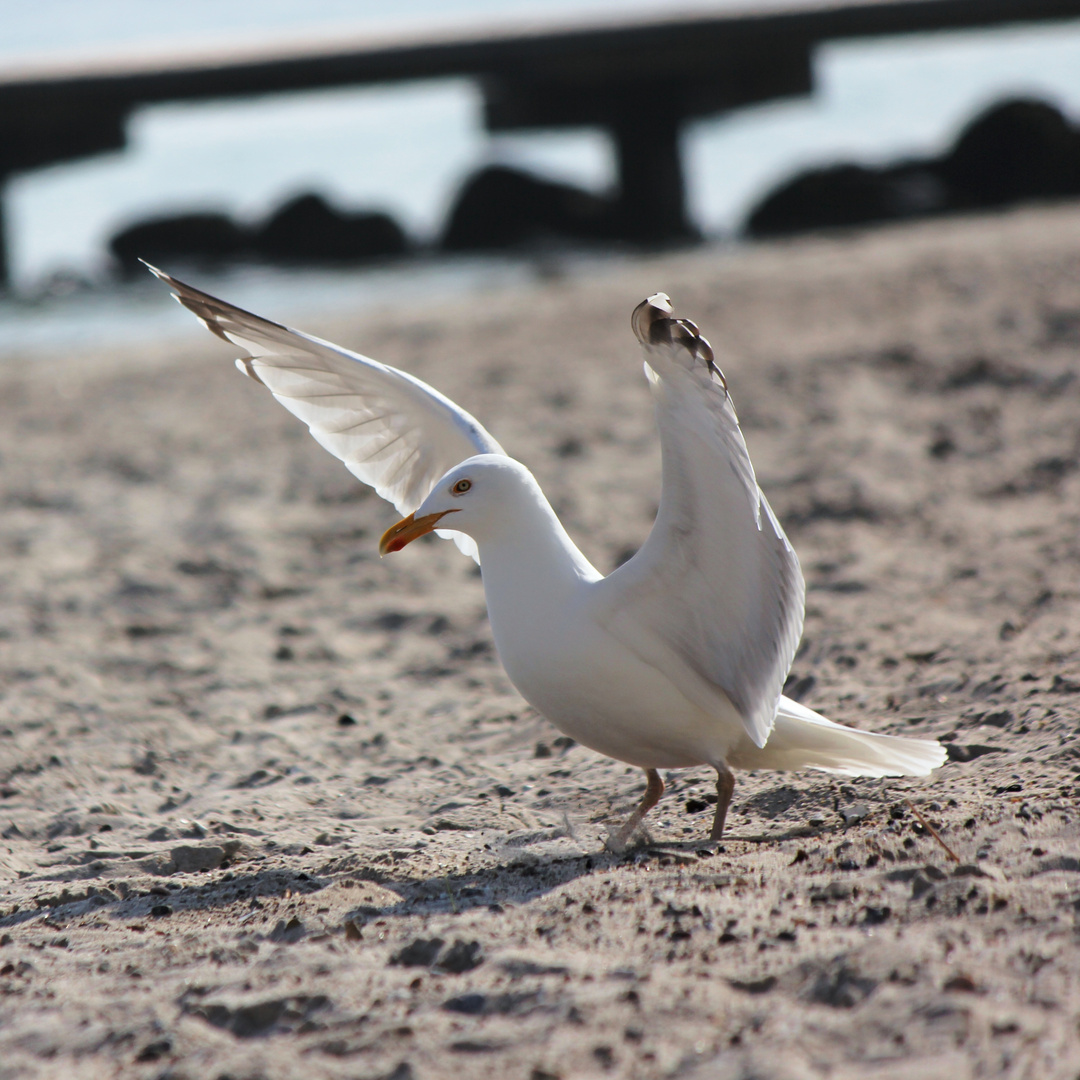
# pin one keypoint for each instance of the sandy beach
(270, 809)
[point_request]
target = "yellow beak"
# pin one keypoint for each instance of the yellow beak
(408, 529)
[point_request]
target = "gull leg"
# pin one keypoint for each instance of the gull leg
(725, 785)
(653, 790)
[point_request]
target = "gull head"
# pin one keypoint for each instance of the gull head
(478, 497)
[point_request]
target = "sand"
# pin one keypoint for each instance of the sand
(269, 807)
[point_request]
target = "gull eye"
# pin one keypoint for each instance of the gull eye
(461, 487)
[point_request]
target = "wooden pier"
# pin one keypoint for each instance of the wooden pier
(640, 77)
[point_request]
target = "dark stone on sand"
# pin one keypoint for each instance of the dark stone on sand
(956, 752)
(834, 891)
(288, 933)
(254, 1019)
(1015, 151)
(191, 858)
(830, 197)
(837, 985)
(855, 813)
(1068, 863)
(200, 238)
(260, 1017)
(462, 956)
(467, 1004)
(755, 986)
(920, 885)
(421, 952)
(501, 207)
(875, 916)
(154, 1051)
(307, 229)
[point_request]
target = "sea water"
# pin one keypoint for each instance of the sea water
(407, 149)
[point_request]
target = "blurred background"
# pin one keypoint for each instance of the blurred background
(393, 163)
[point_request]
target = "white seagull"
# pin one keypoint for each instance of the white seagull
(675, 659)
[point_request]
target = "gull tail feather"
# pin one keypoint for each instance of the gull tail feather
(804, 739)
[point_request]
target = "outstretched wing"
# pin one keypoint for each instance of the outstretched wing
(391, 430)
(714, 598)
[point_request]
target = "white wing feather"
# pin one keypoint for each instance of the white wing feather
(714, 598)
(391, 430)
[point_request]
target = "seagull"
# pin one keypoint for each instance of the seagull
(675, 659)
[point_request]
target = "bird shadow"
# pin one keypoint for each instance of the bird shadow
(514, 881)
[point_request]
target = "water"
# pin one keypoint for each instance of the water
(406, 149)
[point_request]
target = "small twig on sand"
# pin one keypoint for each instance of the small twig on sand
(933, 832)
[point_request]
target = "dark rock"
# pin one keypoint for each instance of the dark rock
(1016, 150)
(421, 952)
(517, 969)
(754, 986)
(837, 985)
(834, 891)
(200, 238)
(254, 1019)
(501, 207)
(147, 765)
(1069, 863)
(833, 197)
(258, 778)
(154, 1051)
(468, 1004)
(855, 813)
(956, 752)
(920, 885)
(288, 933)
(875, 916)
(309, 229)
(260, 1017)
(462, 956)
(391, 620)
(191, 858)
